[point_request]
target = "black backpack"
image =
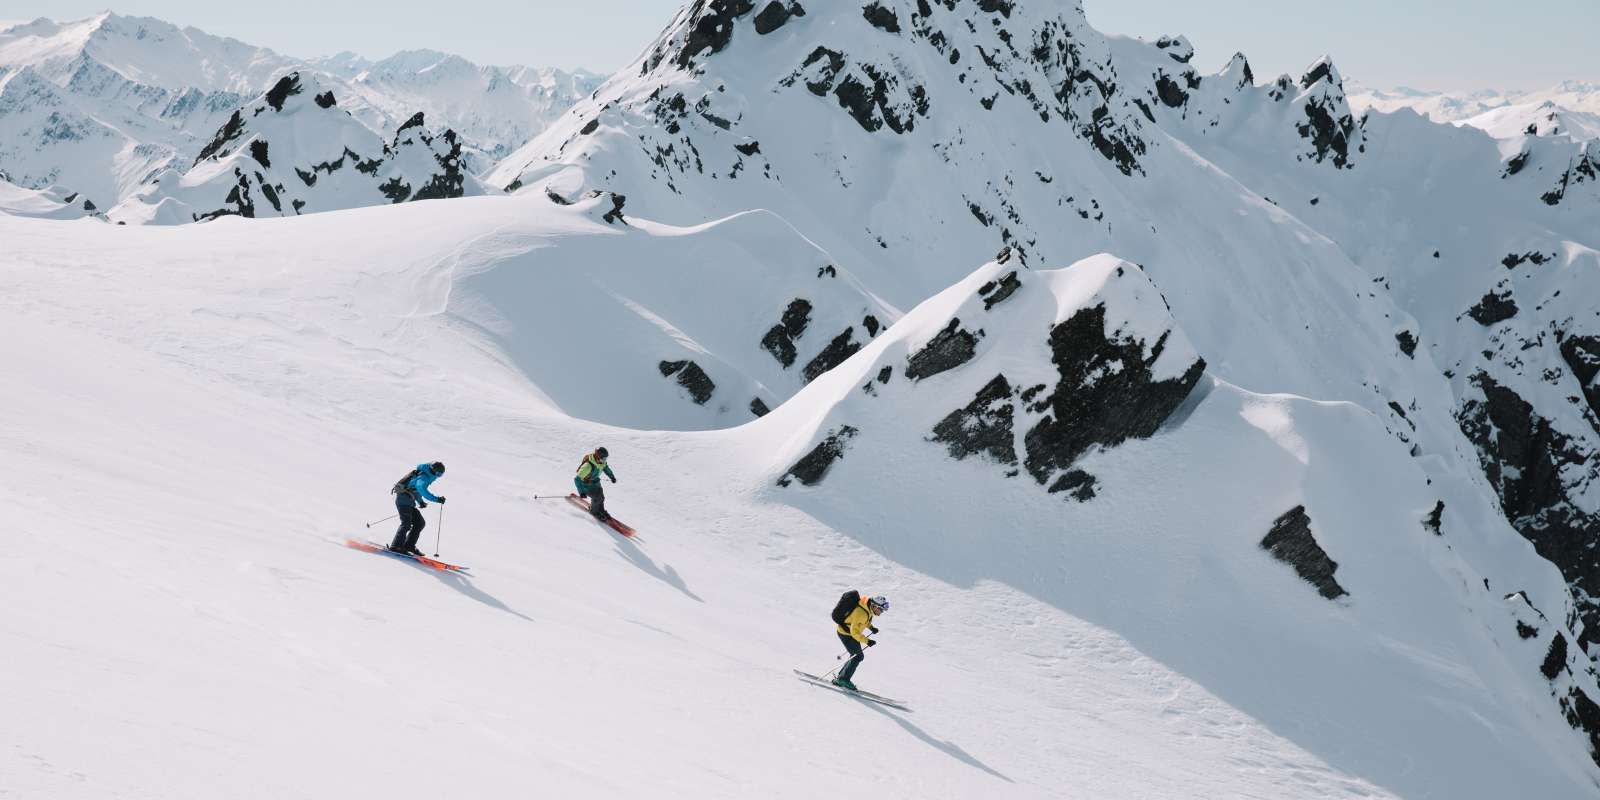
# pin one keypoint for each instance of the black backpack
(402, 484)
(847, 603)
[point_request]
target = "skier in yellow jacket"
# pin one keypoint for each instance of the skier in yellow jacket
(852, 619)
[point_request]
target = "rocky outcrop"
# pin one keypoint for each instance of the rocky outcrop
(780, 339)
(814, 466)
(948, 349)
(691, 377)
(983, 427)
(842, 347)
(1530, 464)
(1291, 542)
(1106, 394)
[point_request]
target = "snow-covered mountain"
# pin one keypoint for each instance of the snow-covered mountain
(294, 151)
(100, 105)
(1303, 249)
(1210, 439)
(1570, 108)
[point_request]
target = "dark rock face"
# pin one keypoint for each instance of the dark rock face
(996, 292)
(1516, 164)
(1526, 631)
(1582, 354)
(984, 427)
(691, 377)
(780, 339)
(1169, 92)
(258, 151)
(1435, 519)
(1524, 457)
(286, 87)
(948, 349)
(842, 347)
(592, 126)
(759, 408)
(1291, 542)
(813, 467)
(881, 18)
(230, 132)
(1495, 307)
(1408, 343)
(614, 215)
(711, 24)
(1584, 715)
(1106, 394)
(1512, 260)
(1330, 136)
(1584, 168)
(1555, 659)
(326, 100)
(771, 18)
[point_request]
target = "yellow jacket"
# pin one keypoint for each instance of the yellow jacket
(856, 624)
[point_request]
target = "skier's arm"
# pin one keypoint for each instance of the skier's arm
(422, 490)
(609, 473)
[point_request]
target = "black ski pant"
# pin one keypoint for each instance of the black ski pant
(857, 655)
(411, 522)
(596, 495)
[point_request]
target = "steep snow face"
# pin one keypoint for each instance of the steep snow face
(295, 151)
(106, 102)
(682, 329)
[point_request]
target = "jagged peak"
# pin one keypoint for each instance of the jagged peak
(1237, 71)
(1321, 70)
(1178, 48)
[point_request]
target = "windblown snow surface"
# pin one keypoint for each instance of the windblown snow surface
(1201, 436)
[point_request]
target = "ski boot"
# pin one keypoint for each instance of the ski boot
(844, 683)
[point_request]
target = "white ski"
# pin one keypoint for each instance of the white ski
(880, 699)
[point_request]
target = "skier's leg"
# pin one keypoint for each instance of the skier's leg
(417, 524)
(403, 506)
(597, 502)
(583, 491)
(857, 655)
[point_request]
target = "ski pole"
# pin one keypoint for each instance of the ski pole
(550, 497)
(438, 532)
(385, 519)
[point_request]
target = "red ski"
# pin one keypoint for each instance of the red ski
(373, 547)
(615, 524)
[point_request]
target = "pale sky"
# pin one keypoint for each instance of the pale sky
(1459, 44)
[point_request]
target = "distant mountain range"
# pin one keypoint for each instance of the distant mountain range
(99, 106)
(1570, 108)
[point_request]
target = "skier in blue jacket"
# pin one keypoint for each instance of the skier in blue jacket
(410, 494)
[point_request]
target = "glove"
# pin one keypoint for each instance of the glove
(613, 480)
(872, 642)
(870, 628)
(441, 502)
(422, 504)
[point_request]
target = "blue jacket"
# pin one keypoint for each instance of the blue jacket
(419, 485)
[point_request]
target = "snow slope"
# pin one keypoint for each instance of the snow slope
(187, 447)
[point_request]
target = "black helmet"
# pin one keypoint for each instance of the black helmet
(438, 467)
(602, 453)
